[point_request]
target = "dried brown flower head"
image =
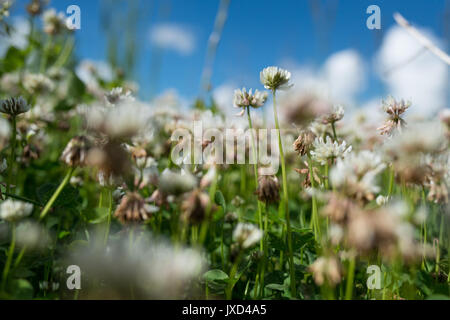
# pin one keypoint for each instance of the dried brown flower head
(111, 159)
(326, 270)
(339, 208)
(132, 208)
(195, 206)
(76, 152)
(268, 190)
(34, 8)
(303, 143)
(394, 109)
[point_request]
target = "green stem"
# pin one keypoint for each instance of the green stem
(10, 256)
(12, 155)
(334, 131)
(326, 176)
(65, 53)
(10, 195)
(231, 280)
(255, 169)
(45, 54)
(243, 180)
(212, 194)
(56, 193)
(314, 214)
(285, 202)
(108, 221)
(19, 257)
(391, 180)
(350, 279)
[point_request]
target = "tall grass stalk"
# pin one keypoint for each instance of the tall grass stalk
(285, 201)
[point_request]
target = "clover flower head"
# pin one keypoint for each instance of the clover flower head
(274, 78)
(54, 23)
(13, 210)
(336, 114)
(247, 235)
(244, 98)
(327, 149)
(14, 106)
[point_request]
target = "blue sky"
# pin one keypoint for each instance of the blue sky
(256, 34)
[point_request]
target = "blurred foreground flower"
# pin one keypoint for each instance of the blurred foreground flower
(132, 208)
(148, 268)
(14, 210)
(247, 235)
(326, 270)
(76, 152)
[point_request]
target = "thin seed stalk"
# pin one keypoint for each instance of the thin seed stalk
(11, 156)
(255, 169)
(231, 280)
(14, 196)
(391, 180)
(350, 279)
(285, 202)
(10, 256)
(314, 215)
(205, 224)
(334, 131)
(108, 221)
(56, 193)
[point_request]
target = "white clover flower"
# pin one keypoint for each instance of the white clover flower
(336, 114)
(4, 9)
(174, 183)
(244, 99)
(274, 78)
(54, 23)
(125, 120)
(37, 83)
(13, 210)
(382, 200)
(118, 95)
(32, 235)
(356, 174)
(394, 109)
(14, 106)
(247, 235)
(327, 149)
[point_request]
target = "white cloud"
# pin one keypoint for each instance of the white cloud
(423, 80)
(341, 78)
(345, 73)
(173, 37)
